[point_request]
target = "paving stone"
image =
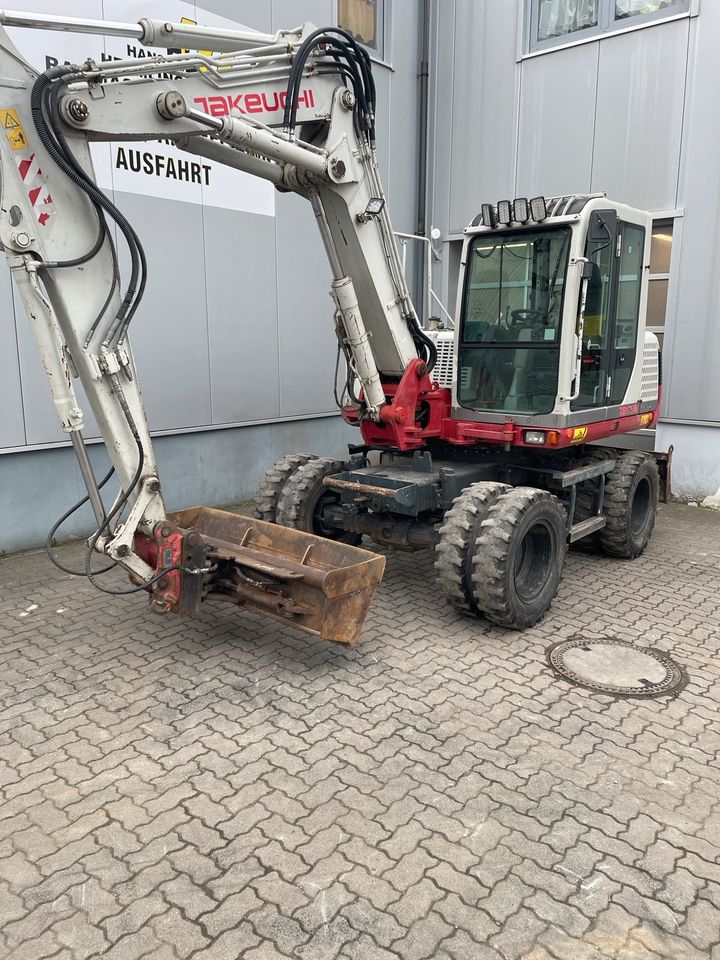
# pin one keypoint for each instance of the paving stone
(289, 865)
(409, 869)
(459, 915)
(505, 898)
(424, 937)
(567, 917)
(329, 941)
(271, 888)
(190, 898)
(519, 934)
(323, 906)
(134, 917)
(232, 943)
(232, 880)
(461, 946)
(82, 938)
(33, 925)
(231, 911)
(285, 932)
(225, 787)
(364, 948)
(382, 926)
(378, 891)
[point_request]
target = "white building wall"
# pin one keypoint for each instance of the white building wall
(234, 341)
(633, 114)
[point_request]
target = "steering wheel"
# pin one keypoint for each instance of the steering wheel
(527, 318)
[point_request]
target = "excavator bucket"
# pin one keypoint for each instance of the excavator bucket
(314, 584)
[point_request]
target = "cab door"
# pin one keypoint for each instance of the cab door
(628, 285)
(615, 250)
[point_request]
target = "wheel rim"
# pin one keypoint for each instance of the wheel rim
(533, 562)
(640, 507)
(319, 524)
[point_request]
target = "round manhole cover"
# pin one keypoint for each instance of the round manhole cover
(616, 667)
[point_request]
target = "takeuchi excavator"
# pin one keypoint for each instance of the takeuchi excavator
(476, 441)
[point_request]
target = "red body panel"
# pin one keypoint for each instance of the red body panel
(419, 410)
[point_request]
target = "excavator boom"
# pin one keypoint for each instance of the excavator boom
(295, 108)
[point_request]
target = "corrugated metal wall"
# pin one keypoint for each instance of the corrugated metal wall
(633, 115)
(236, 325)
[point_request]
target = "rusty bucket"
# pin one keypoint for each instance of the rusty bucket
(314, 584)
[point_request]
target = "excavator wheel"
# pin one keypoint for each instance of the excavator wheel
(304, 498)
(455, 549)
(271, 486)
(519, 557)
(631, 497)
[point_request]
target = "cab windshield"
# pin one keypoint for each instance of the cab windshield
(513, 304)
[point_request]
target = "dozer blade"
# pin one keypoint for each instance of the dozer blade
(318, 585)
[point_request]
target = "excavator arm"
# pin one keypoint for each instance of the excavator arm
(295, 108)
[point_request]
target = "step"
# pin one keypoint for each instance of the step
(586, 527)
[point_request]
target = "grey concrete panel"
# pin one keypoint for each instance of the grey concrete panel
(169, 332)
(41, 421)
(12, 424)
(242, 315)
(483, 107)
(307, 342)
(696, 461)
(402, 146)
(291, 13)
(638, 126)
(212, 468)
(383, 80)
(442, 41)
(556, 122)
(251, 13)
(441, 94)
(694, 386)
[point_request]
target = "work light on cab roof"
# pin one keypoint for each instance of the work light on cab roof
(504, 213)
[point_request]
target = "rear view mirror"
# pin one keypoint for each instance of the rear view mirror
(603, 226)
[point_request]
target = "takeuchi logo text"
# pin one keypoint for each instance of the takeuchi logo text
(251, 102)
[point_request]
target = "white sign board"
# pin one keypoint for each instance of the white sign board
(151, 169)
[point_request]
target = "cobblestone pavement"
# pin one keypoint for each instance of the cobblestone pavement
(227, 787)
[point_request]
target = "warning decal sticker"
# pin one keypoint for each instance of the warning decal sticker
(38, 193)
(14, 132)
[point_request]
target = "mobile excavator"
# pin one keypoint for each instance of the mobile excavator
(475, 441)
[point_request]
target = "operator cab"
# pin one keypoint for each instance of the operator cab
(550, 306)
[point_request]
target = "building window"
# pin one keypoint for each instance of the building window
(555, 22)
(659, 280)
(558, 18)
(363, 19)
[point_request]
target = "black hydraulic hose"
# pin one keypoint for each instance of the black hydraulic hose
(423, 342)
(296, 79)
(67, 162)
(90, 574)
(61, 520)
(119, 506)
(123, 500)
(77, 175)
(104, 233)
(349, 49)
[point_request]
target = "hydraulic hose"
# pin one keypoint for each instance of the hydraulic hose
(77, 175)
